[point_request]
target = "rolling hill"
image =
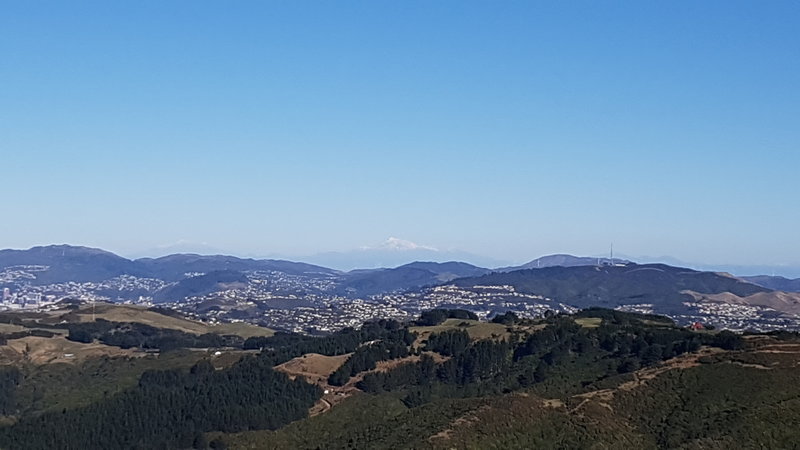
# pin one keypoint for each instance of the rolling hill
(738, 394)
(80, 264)
(572, 282)
(214, 281)
(563, 260)
(596, 379)
(409, 276)
(174, 267)
(775, 283)
(70, 263)
(665, 286)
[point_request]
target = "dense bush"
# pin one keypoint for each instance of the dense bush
(10, 377)
(171, 409)
(570, 355)
(448, 343)
(437, 316)
(129, 335)
(284, 346)
(509, 318)
(365, 358)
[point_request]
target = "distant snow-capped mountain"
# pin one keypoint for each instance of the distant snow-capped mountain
(395, 252)
(397, 244)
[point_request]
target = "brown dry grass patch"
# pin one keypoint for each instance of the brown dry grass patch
(313, 367)
(40, 350)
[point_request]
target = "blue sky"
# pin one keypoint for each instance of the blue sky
(507, 129)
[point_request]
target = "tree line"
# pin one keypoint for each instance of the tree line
(433, 317)
(133, 334)
(172, 409)
(366, 358)
(563, 351)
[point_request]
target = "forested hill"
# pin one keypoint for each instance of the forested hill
(67, 263)
(599, 379)
(612, 286)
(447, 380)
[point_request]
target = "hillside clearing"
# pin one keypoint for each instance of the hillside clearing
(477, 330)
(245, 330)
(41, 350)
(314, 367)
(589, 322)
(139, 314)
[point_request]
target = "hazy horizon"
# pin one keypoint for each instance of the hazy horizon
(381, 256)
(517, 130)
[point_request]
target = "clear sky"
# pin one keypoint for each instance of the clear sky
(507, 129)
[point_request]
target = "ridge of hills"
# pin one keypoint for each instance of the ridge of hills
(67, 263)
(612, 286)
(598, 378)
(410, 276)
(564, 260)
(73, 263)
(173, 267)
(775, 283)
(214, 281)
(256, 290)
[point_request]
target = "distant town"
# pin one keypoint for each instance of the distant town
(309, 304)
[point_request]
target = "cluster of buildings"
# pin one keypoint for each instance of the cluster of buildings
(17, 274)
(320, 312)
(24, 300)
(20, 292)
(737, 317)
(310, 304)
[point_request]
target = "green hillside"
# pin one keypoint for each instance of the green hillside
(710, 399)
(597, 379)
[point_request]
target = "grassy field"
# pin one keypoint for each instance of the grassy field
(40, 350)
(477, 330)
(244, 330)
(589, 322)
(11, 328)
(314, 367)
(139, 314)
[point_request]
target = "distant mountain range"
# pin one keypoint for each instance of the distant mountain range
(191, 275)
(562, 260)
(82, 264)
(173, 267)
(409, 276)
(70, 263)
(576, 281)
(775, 283)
